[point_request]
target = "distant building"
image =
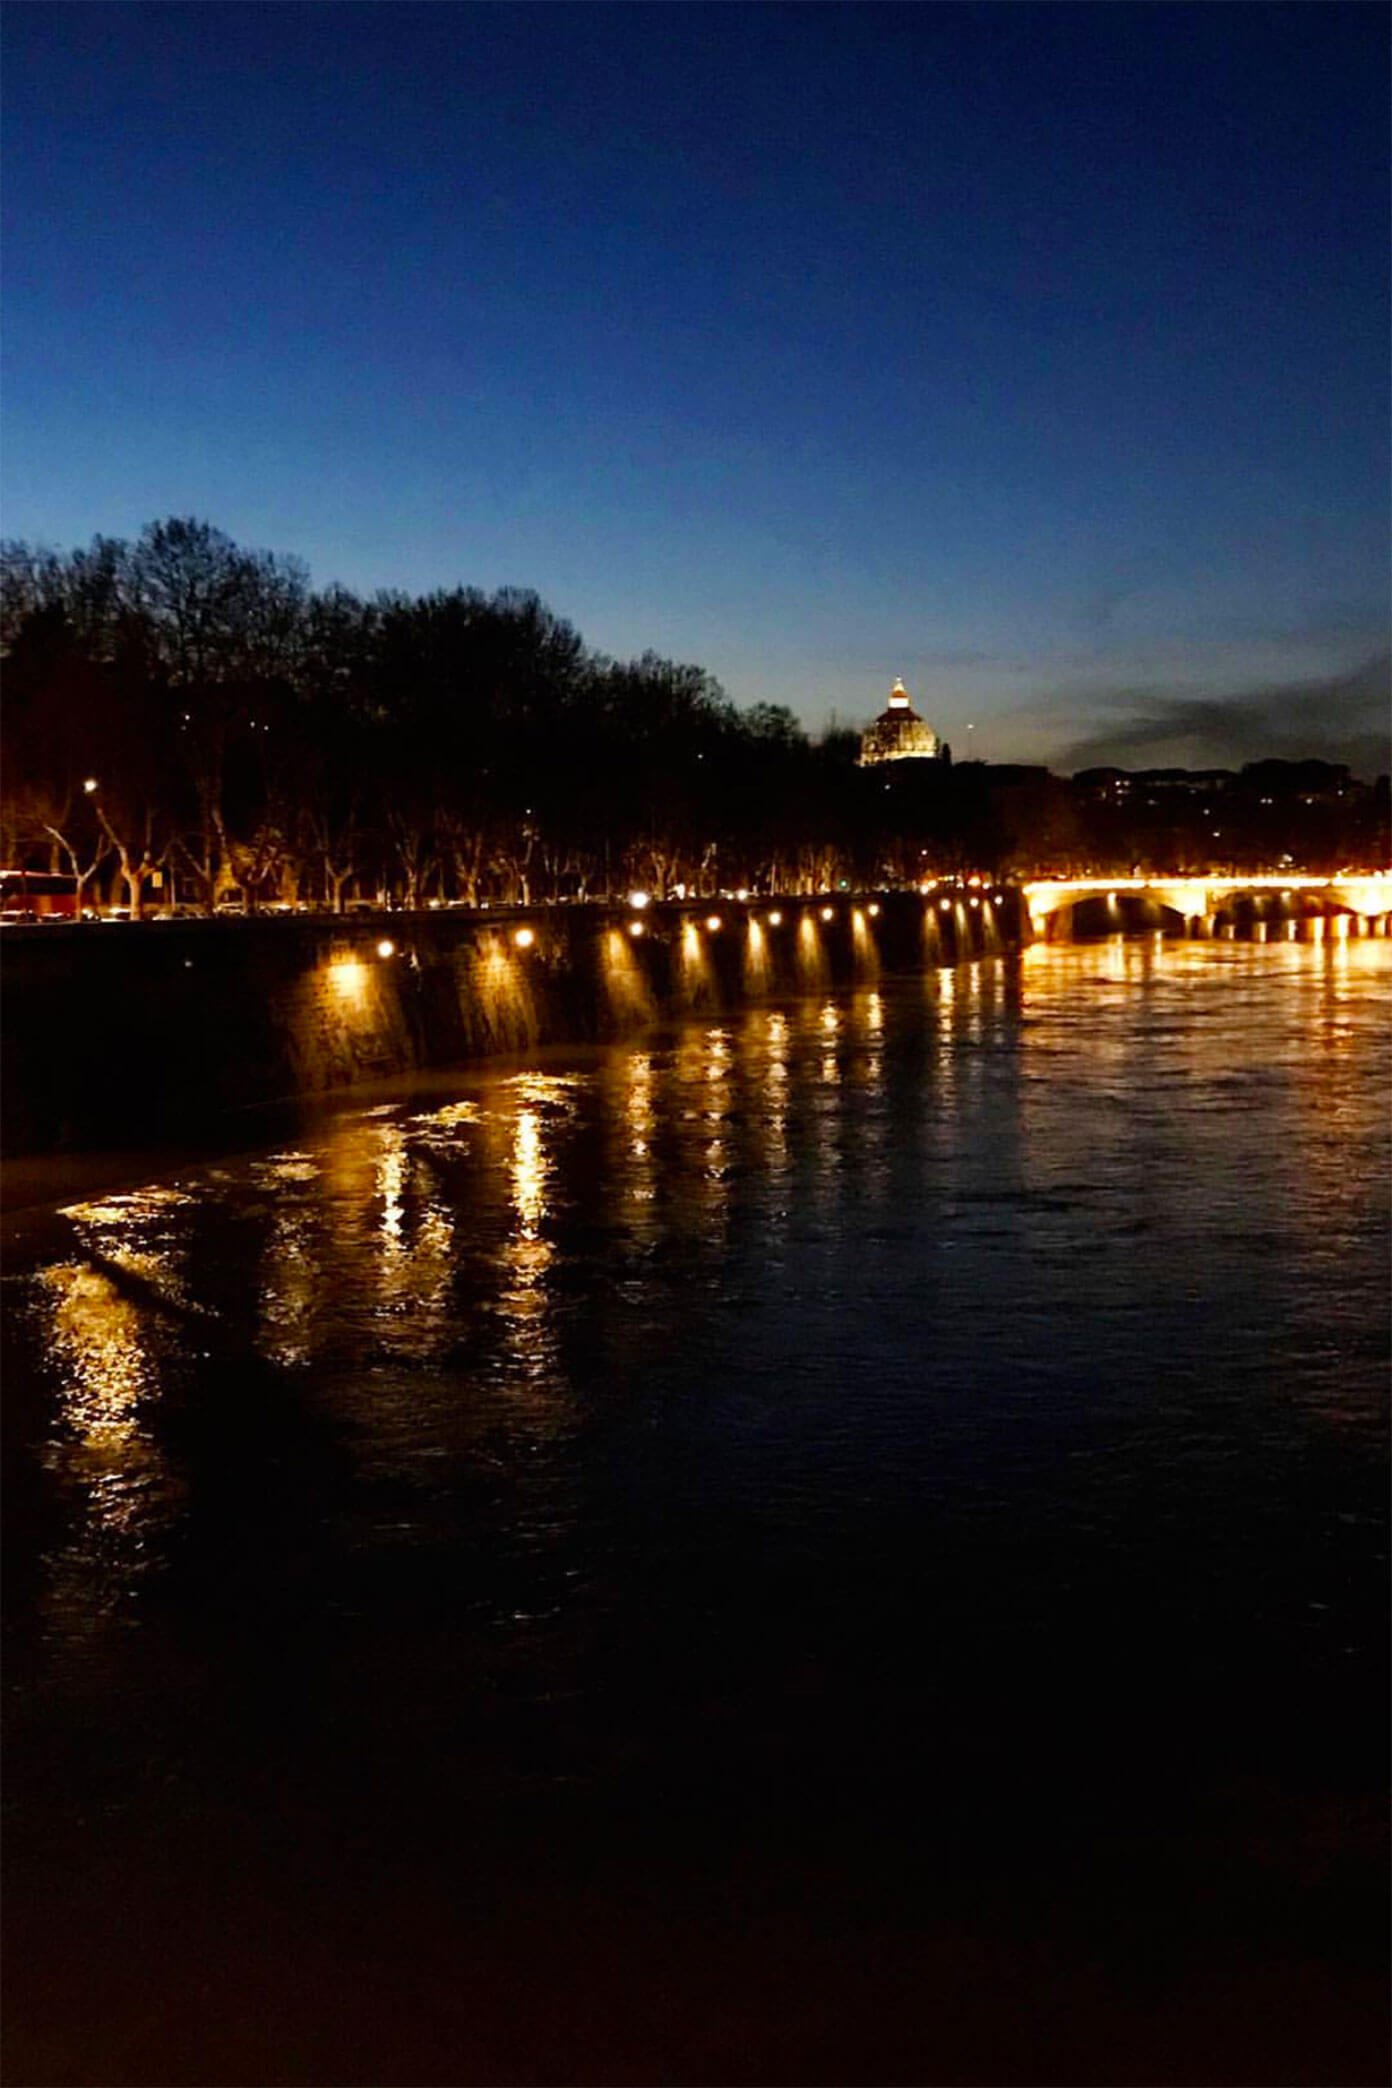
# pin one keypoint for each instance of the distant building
(899, 734)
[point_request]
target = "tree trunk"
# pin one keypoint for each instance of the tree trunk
(134, 875)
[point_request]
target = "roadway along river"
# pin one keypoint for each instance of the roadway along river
(845, 1543)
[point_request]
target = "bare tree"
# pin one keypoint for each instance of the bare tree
(80, 839)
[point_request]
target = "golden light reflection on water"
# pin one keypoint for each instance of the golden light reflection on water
(97, 1343)
(717, 1071)
(361, 1242)
(392, 1165)
(529, 1171)
(291, 1273)
(637, 1164)
(775, 1099)
(702, 1072)
(965, 995)
(830, 1025)
(868, 1014)
(819, 1100)
(978, 996)
(415, 1239)
(104, 1345)
(289, 1283)
(944, 989)
(445, 1131)
(131, 1233)
(545, 1107)
(638, 1107)
(1184, 1048)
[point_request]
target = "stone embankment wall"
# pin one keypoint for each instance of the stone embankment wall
(132, 1033)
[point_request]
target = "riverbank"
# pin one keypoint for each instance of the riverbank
(161, 1031)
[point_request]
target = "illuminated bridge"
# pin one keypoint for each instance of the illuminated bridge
(1357, 901)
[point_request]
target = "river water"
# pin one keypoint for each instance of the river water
(845, 1542)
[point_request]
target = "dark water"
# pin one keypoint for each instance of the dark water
(846, 1543)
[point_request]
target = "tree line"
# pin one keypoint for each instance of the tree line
(182, 713)
(258, 737)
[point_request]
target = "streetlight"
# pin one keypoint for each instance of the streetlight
(90, 785)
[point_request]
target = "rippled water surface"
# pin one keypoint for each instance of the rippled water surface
(843, 1542)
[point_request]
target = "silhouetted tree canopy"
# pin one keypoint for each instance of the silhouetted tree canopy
(248, 734)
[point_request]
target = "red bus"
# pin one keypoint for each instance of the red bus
(37, 895)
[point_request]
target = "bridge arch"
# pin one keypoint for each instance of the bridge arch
(1198, 901)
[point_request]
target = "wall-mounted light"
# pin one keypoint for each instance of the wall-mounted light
(385, 948)
(828, 913)
(775, 920)
(638, 900)
(873, 911)
(524, 938)
(713, 922)
(635, 927)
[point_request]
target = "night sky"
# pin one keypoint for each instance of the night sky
(1039, 355)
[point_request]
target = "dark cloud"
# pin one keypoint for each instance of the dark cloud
(1345, 718)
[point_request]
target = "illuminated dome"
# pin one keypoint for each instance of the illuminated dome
(898, 734)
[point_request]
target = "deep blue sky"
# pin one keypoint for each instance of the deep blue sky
(1039, 355)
